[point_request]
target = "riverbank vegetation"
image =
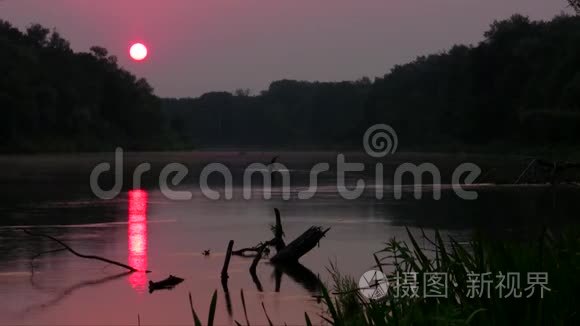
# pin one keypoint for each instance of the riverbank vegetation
(555, 255)
(549, 301)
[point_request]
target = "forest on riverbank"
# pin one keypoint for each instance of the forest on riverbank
(518, 87)
(53, 99)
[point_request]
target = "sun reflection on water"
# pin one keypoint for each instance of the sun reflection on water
(137, 237)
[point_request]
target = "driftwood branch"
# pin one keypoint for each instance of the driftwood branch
(74, 252)
(277, 242)
(286, 258)
(40, 254)
(278, 232)
(284, 253)
(257, 260)
(299, 274)
(68, 291)
(166, 284)
(224, 274)
(300, 246)
(252, 251)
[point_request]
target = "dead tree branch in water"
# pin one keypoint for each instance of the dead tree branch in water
(32, 265)
(225, 276)
(285, 253)
(256, 261)
(278, 232)
(262, 247)
(40, 254)
(299, 274)
(300, 246)
(65, 246)
(167, 284)
(287, 256)
(70, 290)
(252, 251)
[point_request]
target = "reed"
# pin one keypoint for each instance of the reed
(559, 256)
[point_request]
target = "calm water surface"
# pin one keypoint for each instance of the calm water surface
(141, 227)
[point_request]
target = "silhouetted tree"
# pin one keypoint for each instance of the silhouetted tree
(52, 99)
(37, 34)
(242, 92)
(99, 52)
(56, 42)
(575, 4)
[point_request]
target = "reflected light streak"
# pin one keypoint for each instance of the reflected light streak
(137, 237)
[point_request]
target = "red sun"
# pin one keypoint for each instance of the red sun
(138, 52)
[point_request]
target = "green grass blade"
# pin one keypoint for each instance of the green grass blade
(266, 313)
(379, 265)
(196, 320)
(308, 322)
(212, 306)
(244, 306)
(426, 265)
(331, 307)
(473, 314)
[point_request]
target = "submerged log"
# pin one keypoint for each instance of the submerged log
(287, 256)
(166, 284)
(300, 246)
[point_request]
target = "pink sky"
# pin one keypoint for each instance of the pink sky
(209, 45)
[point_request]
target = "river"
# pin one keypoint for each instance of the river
(143, 228)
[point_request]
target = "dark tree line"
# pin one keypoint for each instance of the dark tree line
(52, 99)
(575, 4)
(289, 113)
(520, 86)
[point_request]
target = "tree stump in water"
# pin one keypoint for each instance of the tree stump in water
(300, 246)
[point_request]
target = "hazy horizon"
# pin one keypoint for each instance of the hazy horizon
(196, 47)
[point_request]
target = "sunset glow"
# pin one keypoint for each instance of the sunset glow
(138, 52)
